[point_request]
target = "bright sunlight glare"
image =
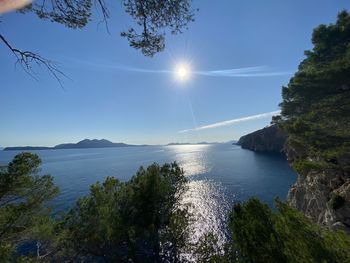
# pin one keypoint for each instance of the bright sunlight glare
(182, 72)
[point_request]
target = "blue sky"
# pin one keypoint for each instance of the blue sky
(103, 100)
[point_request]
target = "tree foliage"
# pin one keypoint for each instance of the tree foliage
(140, 220)
(71, 13)
(316, 102)
(153, 16)
(261, 235)
(23, 193)
(144, 220)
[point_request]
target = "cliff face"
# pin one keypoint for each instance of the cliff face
(269, 139)
(315, 112)
(322, 194)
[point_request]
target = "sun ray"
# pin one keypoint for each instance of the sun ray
(182, 72)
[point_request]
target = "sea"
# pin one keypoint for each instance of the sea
(219, 176)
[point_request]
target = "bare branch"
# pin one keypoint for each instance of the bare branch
(27, 58)
(105, 13)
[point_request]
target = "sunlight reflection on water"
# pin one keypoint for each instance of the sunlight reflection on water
(208, 208)
(192, 158)
(205, 197)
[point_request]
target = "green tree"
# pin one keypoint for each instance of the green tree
(141, 220)
(208, 250)
(24, 216)
(316, 102)
(286, 235)
(253, 232)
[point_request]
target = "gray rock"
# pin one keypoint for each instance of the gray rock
(314, 192)
(269, 139)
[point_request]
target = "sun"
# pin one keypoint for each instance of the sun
(182, 72)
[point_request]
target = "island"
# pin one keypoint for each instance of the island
(86, 143)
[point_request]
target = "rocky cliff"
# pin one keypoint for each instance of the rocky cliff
(315, 112)
(323, 194)
(269, 139)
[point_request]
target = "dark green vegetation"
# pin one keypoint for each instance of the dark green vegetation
(143, 220)
(23, 215)
(260, 235)
(79, 145)
(316, 116)
(316, 102)
(140, 220)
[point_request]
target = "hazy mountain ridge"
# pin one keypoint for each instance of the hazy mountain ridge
(86, 143)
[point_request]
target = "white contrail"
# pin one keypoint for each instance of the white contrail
(117, 66)
(230, 122)
(246, 72)
(258, 71)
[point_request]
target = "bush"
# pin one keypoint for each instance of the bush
(286, 235)
(24, 214)
(140, 220)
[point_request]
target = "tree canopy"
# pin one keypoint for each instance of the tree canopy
(286, 235)
(23, 194)
(140, 220)
(316, 102)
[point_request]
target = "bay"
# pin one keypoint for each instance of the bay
(219, 175)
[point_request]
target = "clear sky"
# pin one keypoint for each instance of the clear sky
(103, 98)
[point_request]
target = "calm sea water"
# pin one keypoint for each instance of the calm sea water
(219, 175)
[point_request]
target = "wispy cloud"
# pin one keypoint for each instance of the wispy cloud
(115, 66)
(245, 72)
(233, 121)
(258, 71)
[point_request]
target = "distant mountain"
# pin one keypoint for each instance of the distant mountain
(27, 148)
(79, 145)
(91, 144)
(269, 139)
